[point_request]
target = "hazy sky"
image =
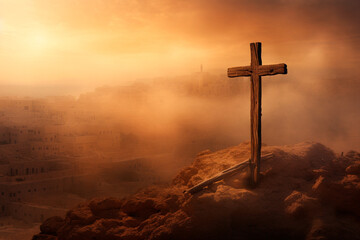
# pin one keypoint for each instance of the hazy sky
(70, 46)
(76, 43)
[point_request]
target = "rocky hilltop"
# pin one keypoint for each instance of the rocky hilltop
(306, 192)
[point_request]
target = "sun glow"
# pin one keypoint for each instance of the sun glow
(39, 42)
(1, 26)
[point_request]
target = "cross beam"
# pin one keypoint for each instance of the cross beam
(255, 71)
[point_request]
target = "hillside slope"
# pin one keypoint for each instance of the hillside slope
(306, 192)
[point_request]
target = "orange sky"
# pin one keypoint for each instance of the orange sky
(96, 42)
(57, 47)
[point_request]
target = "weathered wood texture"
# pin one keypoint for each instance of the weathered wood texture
(239, 72)
(262, 70)
(255, 113)
(255, 71)
(274, 69)
(224, 174)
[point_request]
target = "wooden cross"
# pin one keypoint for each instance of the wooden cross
(255, 71)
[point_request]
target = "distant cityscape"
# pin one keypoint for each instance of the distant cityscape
(58, 146)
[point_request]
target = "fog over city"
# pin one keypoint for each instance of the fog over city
(102, 98)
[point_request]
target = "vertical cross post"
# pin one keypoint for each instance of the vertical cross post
(255, 113)
(255, 71)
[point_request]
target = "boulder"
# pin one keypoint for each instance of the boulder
(52, 225)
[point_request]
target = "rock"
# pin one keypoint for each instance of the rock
(354, 169)
(142, 208)
(80, 216)
(104, 229)
(306, 191)
(52, 225)
(300, 205)
(44, 237)
(343, 195)
(101, 204)
(185, 175)
(331, 227)
(320, 185)
(353, 154)
(106, 207)
(205, 152)
(131, 222)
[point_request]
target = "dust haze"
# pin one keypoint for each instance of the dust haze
(68, 47)
(102, 98)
